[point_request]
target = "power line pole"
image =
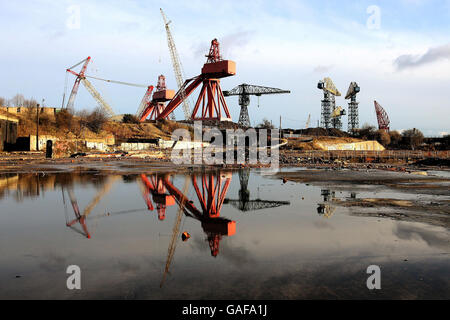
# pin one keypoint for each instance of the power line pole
(37, 127)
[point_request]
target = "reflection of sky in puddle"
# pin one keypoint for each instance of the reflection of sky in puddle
(127, 251)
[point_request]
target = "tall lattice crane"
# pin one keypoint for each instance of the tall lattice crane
(177, 67)
(244, 91)
(329, 104)
(81, 77)
(353, 118)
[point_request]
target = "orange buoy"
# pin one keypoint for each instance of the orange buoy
(185, 236)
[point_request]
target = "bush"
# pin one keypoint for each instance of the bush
(396, 139)
(44, 119)
(96, 120)
(412, 138)
(383, 137)
(64, 119)
(129, 118)
(367, 132)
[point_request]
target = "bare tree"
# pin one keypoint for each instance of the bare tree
(18, 100)
(30, 103)
(265, 124)
(94, 121)
(2, 102)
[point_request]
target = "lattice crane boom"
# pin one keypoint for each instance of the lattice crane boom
(382, 117)
(144, 102)
(253, 90)
(177, 67)
(102, 103)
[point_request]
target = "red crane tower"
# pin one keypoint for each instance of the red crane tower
(76, 85)
(155, 107)
(382, 117)
(211, 98)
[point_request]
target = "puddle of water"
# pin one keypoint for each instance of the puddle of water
(437, 173)
(251, 237)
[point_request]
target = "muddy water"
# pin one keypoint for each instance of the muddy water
(251, 237)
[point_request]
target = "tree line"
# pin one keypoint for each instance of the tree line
(18, 100)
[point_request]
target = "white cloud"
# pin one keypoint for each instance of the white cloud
(433, 54)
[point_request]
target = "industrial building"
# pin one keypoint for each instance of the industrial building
(8, 130)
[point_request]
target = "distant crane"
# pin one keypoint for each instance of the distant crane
(353, 117)
(81, 78)
(244, 91)
(382, 117)
(308, 121)
(329, 103)
(337, 112)
(177, 67)
(153, 108)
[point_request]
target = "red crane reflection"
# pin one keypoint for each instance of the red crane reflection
(154, 185)
(211, 195)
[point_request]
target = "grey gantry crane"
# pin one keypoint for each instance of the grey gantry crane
(244, 91)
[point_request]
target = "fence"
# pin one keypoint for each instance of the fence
(373, 155)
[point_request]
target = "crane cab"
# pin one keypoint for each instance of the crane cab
(220, 69)
(163, 95)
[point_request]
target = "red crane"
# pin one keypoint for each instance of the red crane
(145, 102)
(79, 76)
(211, 98)
(382, 117)
(155, 107)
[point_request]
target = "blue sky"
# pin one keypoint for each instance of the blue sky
(403, 62)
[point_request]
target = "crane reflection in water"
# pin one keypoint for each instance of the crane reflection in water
(159, 191)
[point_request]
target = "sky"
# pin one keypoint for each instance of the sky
(397, 51)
